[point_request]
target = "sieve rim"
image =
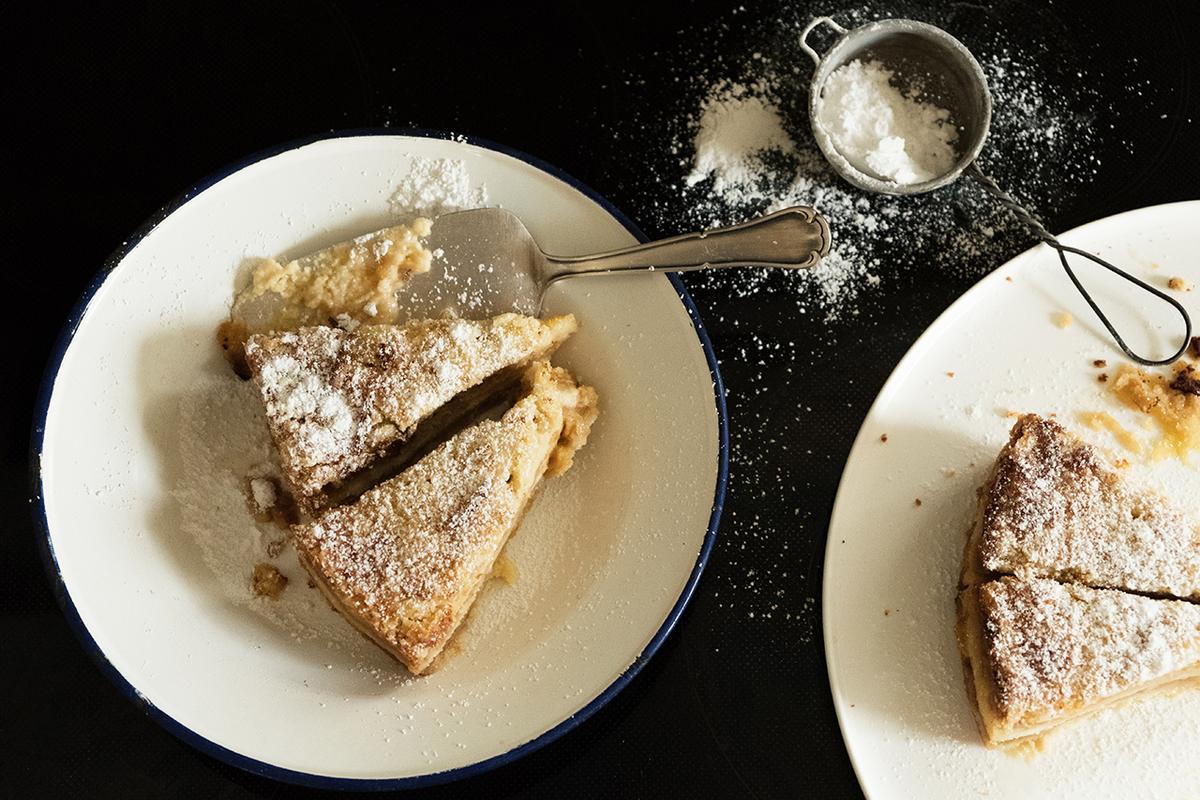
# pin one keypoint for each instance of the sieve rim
(839, 162)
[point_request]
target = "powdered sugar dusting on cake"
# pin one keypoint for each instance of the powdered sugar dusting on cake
(307, 406)
(336, 399)
(1056, 511)
(434, 186)
(409, 538)
(1055, 646)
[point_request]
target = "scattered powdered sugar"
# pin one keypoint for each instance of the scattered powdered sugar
(742, 163)
(895, 135)
(434, 186)
(738, 144)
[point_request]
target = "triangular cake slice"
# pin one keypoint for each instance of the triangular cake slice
(405, 562)
(1038, 653)
(336, 400)
(1051, 508)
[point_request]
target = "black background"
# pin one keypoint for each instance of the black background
(113, 111)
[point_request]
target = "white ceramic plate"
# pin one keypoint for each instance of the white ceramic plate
(891, 567)
(133, 463)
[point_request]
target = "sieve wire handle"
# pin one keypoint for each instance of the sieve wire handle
(1039, 230)
(816, 58)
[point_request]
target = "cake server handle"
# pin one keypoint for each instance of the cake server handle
(793, 238)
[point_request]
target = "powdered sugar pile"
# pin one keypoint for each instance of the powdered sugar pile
(434, 186)
(896, 136)
(738, 127)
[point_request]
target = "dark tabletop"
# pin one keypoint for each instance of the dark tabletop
(113, 112)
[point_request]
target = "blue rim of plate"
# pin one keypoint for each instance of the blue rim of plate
(262, 768)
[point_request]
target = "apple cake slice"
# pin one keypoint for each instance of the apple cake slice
(405, 562)
(1038, 653)
(337, 401)
(1051, 508)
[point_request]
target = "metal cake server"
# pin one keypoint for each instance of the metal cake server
(486, 262)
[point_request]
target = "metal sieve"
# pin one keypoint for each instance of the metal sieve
(952, 79)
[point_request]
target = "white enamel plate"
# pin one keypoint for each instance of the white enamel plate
(892, 565)
(145, 436)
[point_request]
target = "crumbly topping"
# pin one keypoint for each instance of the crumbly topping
(336, 399)
(410, 553)
(1054, 647)
(1055, 511)
(1172, 402)
(321, 416)
(350, 282)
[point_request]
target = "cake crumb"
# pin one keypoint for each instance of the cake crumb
(917, 503)
(1099, 363)
(263, 494)
(1062, 319)
(1178, 284)
(883, 437)
(267, 581)
(1194, 347)
(949, 374)
(1102, 421)
(1186, 381)
(268, 501)
(1102, 377)
(1172, 402)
